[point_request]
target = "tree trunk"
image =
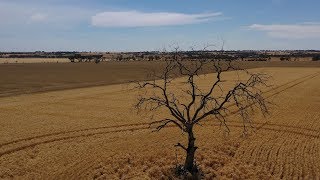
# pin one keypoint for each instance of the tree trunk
(188, 165)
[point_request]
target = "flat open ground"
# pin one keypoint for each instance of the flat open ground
(33, 60)
(94, 132)
(41, 77)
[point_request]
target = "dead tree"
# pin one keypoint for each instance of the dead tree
(194, 105)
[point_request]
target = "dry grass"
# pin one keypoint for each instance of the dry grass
(94, 133)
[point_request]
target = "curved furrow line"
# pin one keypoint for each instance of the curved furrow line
(315, 159)
(268, 154)
(268, 146)
(138, 124)
(73, 131)
(9, 151)
(296, 157)
(274, 156)
(279, 157)
(292, 129)
(262, 125)
(275, 167)
(126, 125)
(303, 166)
(258, 154)
(64, 132)
(274, 152)
(293, 132)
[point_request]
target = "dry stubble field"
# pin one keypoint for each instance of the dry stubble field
(94, 133)
(25, 78)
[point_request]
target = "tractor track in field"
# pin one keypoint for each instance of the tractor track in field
(286, 154)
(21, 144)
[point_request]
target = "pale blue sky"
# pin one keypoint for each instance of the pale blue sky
(138, 25)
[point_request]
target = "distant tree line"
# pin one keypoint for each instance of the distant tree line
(185, 55)
(316, 58)
(37, 54)
(97, 58)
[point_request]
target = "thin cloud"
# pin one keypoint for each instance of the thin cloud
(312, 23)
(24, 13)
(291, 31)
(142, 19)
(38, 17)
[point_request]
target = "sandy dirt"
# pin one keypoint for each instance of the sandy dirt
(95, 133)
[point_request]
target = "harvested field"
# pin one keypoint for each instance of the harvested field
(18, 79)
(94, 132)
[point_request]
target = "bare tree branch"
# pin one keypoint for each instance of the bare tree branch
(180, 145)
(193, 104)
(165, 122)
